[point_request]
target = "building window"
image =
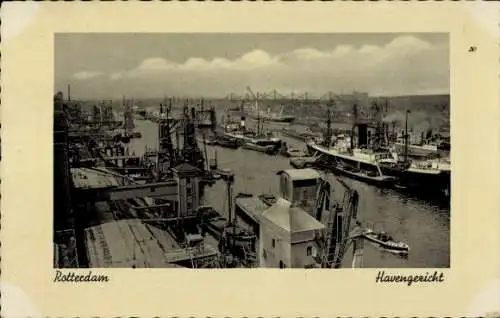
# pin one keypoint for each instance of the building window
(188, 180)
(309, 251)
(273, 243)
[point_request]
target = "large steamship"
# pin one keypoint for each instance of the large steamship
(365, 155)
(351, 156)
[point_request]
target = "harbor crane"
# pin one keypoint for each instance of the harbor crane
(343, 229)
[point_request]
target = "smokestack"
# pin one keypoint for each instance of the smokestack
(69, 92)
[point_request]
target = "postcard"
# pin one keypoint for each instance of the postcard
(259, 159)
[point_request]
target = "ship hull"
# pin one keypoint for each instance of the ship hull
(381, 181)
(277, 119)
(432, 184)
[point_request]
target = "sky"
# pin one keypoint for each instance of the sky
(149, 65)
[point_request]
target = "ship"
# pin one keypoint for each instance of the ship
(359, 164)
(430, 144)
(357, 156)
(431, 176)
(428, 174)
(239, 132)
(302, 136)
(270, 116)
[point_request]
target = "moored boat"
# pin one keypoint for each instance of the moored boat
(268, 149)
(226, 142)
(303, 162)
(429, 176)
(302, 136)
(360, 164)
(293, 152)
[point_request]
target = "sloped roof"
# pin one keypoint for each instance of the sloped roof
(124, 243)
(291, 219)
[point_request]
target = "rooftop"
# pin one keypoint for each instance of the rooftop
(90, 178)
(253, 206)
(301, 174)
(124, 243)
(291, 219)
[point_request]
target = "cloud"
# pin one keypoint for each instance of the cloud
(85, 75)
(406, 65)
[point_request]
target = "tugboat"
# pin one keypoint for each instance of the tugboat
(386, 241)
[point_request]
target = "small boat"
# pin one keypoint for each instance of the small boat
(270, 150)
(293, 152)
(303, 162)
(227, 142)
(302, 136)
(386, 241)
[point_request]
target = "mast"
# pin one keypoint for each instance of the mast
(329, 123)
(355, 113)
(206, 153)
(406, 135)
(258, 115)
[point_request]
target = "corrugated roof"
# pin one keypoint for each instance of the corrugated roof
(89, 178)
(124, 243)
(291, 219)
(301, 174)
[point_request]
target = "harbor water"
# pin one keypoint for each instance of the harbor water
(419, 223)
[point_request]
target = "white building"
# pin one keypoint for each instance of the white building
(288, 234)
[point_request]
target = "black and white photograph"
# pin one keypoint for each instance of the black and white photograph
(250, 150)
